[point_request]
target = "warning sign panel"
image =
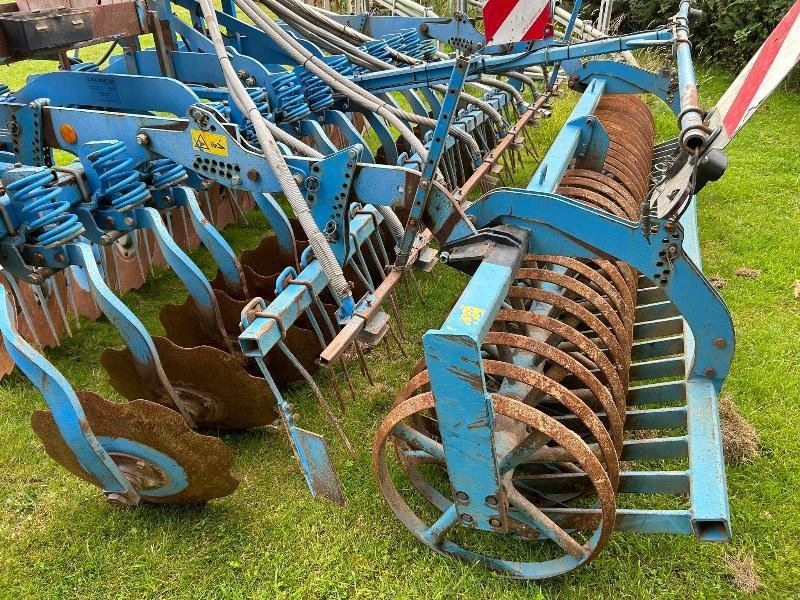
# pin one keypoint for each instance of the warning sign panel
(212, 143)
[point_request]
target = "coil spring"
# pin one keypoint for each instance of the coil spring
(291, 102)
(48, 221)
(319, 95)
(86, 67)
(378, 49)
(259, 98)
(121, 184)
(6, 95)
(164, 173)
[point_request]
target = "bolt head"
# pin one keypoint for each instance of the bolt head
(495, 522)
(720, 343)
(466, 518)
(492, 500)
(709, 372)
(462, 496)
(142, 139)
(253, 175)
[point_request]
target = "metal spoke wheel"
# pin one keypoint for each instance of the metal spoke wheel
(540, 542)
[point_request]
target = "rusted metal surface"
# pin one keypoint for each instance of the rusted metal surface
(212, 384)
(205, 460)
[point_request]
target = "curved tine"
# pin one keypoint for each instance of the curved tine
(130, 328)
(190, 275)
(63, 402)
(219, 248)
(332, 419)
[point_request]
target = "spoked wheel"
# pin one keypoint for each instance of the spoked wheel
(164, 460)
(540, 544)
(212, 384)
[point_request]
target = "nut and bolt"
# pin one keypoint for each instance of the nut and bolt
(253, 175)
(142, 139)
(495, 522)
(720, 343)
(709, 372)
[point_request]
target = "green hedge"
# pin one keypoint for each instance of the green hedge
(729, 32)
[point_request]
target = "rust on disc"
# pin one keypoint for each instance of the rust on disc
(216, 389)
(206, 460)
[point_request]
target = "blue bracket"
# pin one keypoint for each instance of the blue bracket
(435, 152)
(622, 78)
(65, 406)
(327, 188)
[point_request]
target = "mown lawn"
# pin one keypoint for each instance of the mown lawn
(271, 539)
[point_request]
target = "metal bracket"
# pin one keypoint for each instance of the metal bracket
(327, 189)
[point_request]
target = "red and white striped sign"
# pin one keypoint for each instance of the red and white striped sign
(765, 71)
(510, 21)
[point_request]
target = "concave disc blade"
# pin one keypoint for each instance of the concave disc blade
(205, 461)
(217, 390)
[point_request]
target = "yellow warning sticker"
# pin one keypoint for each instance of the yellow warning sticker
(471, 314)
(213, 143)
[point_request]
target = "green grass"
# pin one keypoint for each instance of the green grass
(271, 539)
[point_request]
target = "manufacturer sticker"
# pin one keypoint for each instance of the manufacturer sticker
(471, 314)
(212, 143)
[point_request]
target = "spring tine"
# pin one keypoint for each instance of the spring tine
(363, 262)
(374, 256)
(417, 287)
(71, 297)
(138, 254)
(397, 341)
(53, 286)
(360, 275)
(147, 252)
(382, 248)
(37, 290)
(23, 307)
(209, 210)
(363, 363)
(332, 419)
(396, 314)
(347, 378)
(236, 208)
(389, 354)
(325, 316)
(336, 389)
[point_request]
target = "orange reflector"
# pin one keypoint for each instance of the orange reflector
(68, 134)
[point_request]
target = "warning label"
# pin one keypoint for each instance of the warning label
(212, 143)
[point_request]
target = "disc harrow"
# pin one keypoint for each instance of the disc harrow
(366, 145)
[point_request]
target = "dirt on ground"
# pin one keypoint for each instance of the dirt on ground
(743, 573)
(739, 437)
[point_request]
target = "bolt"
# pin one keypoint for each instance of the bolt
(423, 28)
(142, 139)
(672, 251)
(128, 221)
(444, 257)
(236, 180)
(462, 496)
(38, 258)
(109, 220)
(495, 522)
(709, 372)
(400, 189)
(118, 500)
(59, 257)
(253, 175)
(720, 343)
(492, 500)
(466, 518)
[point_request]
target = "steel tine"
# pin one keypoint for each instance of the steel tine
(364, 367)
(397, 341)
(417, 287)
(347, 378)
(332, 418)
(235, 204)
(60, 302)
(37, 290)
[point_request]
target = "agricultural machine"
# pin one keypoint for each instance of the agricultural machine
(578, 367)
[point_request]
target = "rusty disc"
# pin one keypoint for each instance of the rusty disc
(206, 461)
(214, 386)
(605, 185)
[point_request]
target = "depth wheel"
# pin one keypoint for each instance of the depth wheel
(564, 545)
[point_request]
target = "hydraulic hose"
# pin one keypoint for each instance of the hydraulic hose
(321, 248)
